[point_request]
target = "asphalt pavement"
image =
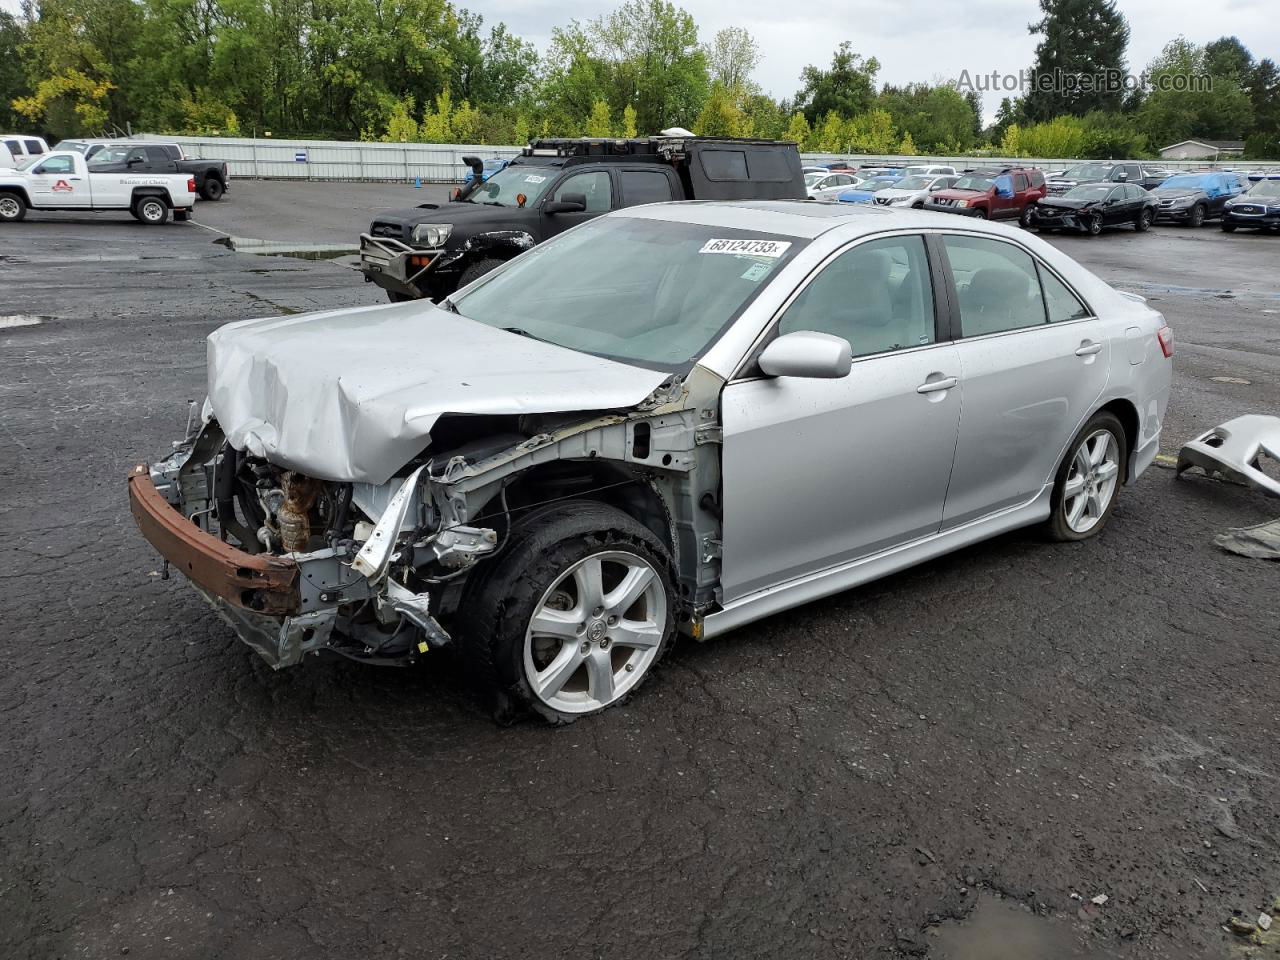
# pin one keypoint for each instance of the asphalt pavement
(1019, 721)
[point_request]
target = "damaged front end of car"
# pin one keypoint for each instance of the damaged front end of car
(377, 571)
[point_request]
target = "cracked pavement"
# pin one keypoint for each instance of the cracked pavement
(1030, 719)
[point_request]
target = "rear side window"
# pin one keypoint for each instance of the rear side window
(997, 283)
(644, 186)
(33, 147)
(14, 147)
(878, 296)
(1037, 178)
(157, 155)
(1060, 302)
(1020, 182)
(724, 164)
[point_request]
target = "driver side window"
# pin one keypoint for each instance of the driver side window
(55, 165)
(594, 186)
(878, 296)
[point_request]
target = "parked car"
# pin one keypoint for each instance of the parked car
(912, 191)
(1144, 176)
(63, 181)
(582, 452)
(432, 249)
(1259, 208)
(930, 170)
(213, 177)
(808, 169)
(865, 192)
(1093, 206)
(827, 186)
(998, 194)
(490, 167)
(1193, 198)
(21, 146)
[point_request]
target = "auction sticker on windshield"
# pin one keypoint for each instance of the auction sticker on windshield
(748, 248)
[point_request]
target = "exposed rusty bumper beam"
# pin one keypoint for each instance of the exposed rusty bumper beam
(257, 583)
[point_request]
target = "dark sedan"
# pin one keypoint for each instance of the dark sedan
(1259, 208)
(1093, 206)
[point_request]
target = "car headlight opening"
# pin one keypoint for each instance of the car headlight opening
(432, 234)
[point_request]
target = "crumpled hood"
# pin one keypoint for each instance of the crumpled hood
(352, 395)
(1065, 203)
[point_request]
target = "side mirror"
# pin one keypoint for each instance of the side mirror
(569, 203)
(806, 353)
(133, 161)
(1122, 175)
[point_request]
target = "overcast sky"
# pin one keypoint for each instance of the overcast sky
(927, 40)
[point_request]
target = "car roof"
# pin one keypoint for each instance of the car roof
(803, 219)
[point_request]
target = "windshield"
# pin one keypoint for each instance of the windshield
(1095, 191)
(914, 183)
(641, 291)
(79, 146)
(1265, 188)
(811, 178)
(981, 184)
(879, 183)
(1086, 171)
(1185, 180)
(503, 187)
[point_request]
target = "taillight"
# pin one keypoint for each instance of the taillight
(1165, 336)
(191, 185)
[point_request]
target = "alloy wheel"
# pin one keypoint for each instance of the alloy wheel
(595, 632)
(152, 211)
(1091, 481)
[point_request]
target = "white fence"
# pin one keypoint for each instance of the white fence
(442, 163)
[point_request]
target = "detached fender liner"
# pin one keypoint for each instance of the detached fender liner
(257, 583)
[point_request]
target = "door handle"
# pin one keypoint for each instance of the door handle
(1088, 349)
(933, 386)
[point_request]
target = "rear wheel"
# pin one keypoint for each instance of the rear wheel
(213, 189)
(574, 616)
(151, 210)
(479, 269)
(12, 208)
(1088, 480)
(1144, 221)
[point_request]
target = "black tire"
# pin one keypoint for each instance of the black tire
(494, 616)
(979, 214)
(212, 189)
(1094, 226)
(152, 211)
(395, 296)
(1057, 527)
(1144, 221)
(1024, 219)
(12, 207)
(1195, 219)
(1228, 227)
(479, 269)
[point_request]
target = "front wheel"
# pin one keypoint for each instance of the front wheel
(12, 208)
(1094, 226)
(1085, 488)
(575, 614)
(1024, 219)
(980, 214)
(1196, 217)
(1144, 221)
(151, 210)
(479, 269)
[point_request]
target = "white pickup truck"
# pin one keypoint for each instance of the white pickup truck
(63, 181)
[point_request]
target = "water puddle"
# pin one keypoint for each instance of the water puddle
(1003, 930)
(8, 322)
(280, 248)
(1145, 289)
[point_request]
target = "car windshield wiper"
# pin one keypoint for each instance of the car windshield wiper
(449, 305)
(522, 332)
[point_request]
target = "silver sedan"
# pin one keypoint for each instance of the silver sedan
(677, 418)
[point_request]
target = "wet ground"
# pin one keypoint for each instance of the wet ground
(1017, 725)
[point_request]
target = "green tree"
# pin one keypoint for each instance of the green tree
(1263, 89)
(1081, 40)
(629, 121)
(1061, 137)
(1178, 108)
(1228, 57)
(732, 58)
(847, 88)
(13, 82)
(872, 132)
(1011, 142)
(933, 115)
(599, 124)
(437, 125)
(798, 129)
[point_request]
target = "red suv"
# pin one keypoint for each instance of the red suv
(1007, 193)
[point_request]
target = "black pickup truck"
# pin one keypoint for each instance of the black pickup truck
(1139, 174)
(435, 248)
(105, 156)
